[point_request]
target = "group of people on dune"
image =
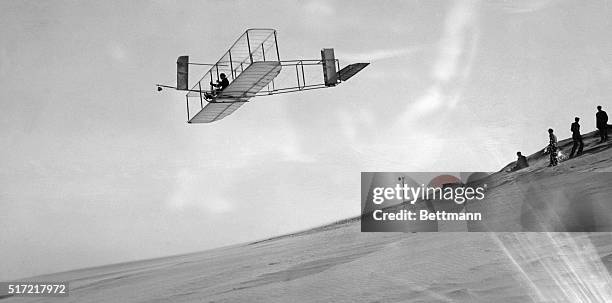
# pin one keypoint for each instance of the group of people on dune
(601, 118)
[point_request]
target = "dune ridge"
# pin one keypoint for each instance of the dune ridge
(338, 263)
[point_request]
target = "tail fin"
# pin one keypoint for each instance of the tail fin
(329, 67)
(182, 73)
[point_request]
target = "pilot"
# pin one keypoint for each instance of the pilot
(220, 85)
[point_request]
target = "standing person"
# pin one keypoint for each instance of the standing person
(602, 124)
(577, 138)
(552, 148)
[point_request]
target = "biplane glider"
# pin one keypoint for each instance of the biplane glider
(253, 68)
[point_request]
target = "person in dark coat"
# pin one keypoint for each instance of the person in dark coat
(552, 148)
(521, 162)
(220, 85)
(577, 138)
(602, 124)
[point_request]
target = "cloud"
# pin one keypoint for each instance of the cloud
(452, 44)
(291, 149)
(452, 66)
(381, 54)
(4, 62)
(117, 52)
(429, 102)
(192, 191)
(203, 182)
(521, 6)
(320, 8)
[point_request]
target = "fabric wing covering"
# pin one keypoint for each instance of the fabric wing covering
(247, 85)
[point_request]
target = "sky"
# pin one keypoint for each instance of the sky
(99, 167)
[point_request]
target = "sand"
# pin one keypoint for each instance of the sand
(338, 263)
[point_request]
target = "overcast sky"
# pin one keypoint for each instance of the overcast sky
(98, 167)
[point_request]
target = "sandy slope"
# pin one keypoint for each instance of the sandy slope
(338, 263)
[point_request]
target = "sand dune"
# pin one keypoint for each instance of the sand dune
(344, 265)
(338, 263)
